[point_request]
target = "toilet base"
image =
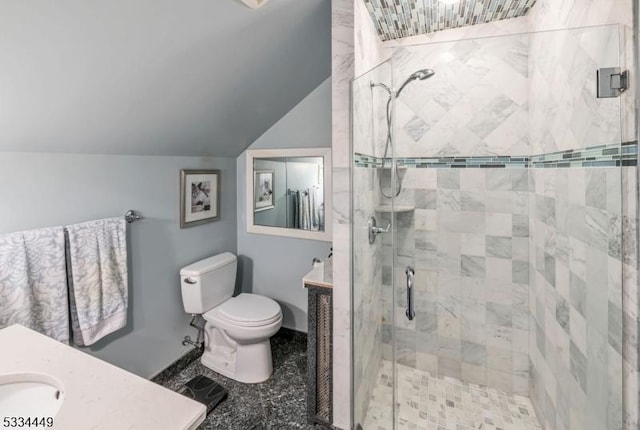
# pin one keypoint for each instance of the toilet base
(247, 363)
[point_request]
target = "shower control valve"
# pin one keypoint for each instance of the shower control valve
(374, 230)
(380, 230)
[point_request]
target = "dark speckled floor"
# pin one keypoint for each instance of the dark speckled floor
(279, 403)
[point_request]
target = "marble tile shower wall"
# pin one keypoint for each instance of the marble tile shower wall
(468, 241)
(630, 315)
(564, 111)
(575, 297)
(476, 104)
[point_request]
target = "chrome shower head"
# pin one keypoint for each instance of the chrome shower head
(419, 75)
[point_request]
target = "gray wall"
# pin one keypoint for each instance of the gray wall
(270, 265)
(39, 190)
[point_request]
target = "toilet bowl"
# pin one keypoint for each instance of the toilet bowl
(238, 329)
(238, 333)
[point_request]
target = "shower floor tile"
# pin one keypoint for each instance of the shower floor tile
(429, 403)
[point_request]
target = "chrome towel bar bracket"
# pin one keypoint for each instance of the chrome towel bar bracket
(131, 216)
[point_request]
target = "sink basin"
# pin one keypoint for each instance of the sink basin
(30, 394)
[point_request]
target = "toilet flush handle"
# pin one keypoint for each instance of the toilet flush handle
(190, 281)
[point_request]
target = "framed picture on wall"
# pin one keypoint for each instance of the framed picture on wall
(199, 197)
(263, 190)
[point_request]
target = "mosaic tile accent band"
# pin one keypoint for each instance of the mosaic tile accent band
(596, 156)
(402, 18)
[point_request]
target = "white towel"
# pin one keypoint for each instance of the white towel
(97, 272)
(305, 214)
(313, 208)
(33, 282)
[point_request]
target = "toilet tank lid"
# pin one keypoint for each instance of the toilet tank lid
(208, 264)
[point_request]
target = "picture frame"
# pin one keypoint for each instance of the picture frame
(199, 197)
(263, 183)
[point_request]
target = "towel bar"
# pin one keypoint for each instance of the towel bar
(131, 216)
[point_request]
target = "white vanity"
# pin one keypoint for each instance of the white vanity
(79, 391)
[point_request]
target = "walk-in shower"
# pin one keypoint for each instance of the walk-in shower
(495, 300)
(418, 75)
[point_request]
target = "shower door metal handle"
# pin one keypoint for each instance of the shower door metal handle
(411, 312)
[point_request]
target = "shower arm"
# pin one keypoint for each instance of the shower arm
(383, 86)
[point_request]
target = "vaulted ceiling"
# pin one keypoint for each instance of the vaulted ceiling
(155, 77)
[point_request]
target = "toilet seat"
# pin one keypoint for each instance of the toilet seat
(246, 310)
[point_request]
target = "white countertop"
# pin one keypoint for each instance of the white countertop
(320, 276)
(97, 395)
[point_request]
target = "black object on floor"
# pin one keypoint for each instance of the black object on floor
(204, 390)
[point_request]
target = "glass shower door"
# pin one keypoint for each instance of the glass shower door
(507, 232)
(372, 328)
(495, 296)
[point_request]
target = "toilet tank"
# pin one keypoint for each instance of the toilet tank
(209, 282)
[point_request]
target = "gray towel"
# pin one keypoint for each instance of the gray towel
(298, 209)
(33, 283)
(97, 272)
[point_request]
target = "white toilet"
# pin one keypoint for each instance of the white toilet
(238, 328)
